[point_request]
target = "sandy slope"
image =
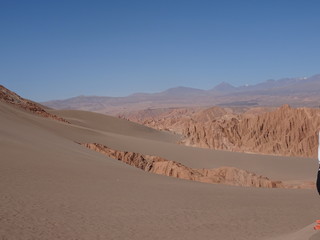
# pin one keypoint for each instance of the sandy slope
(52, 188)
(114, 125)
(129, 136)
(305, 233)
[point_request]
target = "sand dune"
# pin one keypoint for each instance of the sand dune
(53, 188)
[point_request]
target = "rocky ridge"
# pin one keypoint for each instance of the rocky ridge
(284, 131)
(10, 97)
(223, 175)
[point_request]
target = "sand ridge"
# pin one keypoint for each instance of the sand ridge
(161, 166)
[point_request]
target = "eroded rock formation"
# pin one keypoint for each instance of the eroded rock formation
(12, 98)
(224, 175)
(285, 131)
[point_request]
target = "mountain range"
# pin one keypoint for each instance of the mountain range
(297, 92)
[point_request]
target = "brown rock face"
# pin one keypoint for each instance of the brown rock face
(284, 131)
(10, 97)
(158, 165)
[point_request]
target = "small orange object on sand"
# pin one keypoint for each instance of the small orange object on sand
(317, 227)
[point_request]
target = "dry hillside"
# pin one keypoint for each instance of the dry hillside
(12, 98)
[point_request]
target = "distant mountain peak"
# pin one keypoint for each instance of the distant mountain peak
(224, 87)
(295, 91)
(182, 91)
(182, 88)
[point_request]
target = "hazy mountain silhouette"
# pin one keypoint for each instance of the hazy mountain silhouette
(293, 91)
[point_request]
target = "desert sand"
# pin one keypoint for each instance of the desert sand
(53, 188)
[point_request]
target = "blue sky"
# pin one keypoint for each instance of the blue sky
(60, 49)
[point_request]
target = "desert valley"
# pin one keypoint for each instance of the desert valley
(159, 120)
(161, 170)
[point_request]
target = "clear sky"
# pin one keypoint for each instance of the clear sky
(60, 49)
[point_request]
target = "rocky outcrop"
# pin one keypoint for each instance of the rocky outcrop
(224, 175)
(285, 131)
(10, 97)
